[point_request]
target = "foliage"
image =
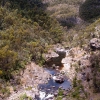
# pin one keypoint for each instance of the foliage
(75, 82)
(66, 11)
(60, 92)
(25, 31)
(25, 97)
(5, 91)
(90, 9)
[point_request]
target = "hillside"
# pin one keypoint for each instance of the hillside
(25, 34)
(29, 29)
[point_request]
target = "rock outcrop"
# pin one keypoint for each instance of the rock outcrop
(55, 57)
(95, 44)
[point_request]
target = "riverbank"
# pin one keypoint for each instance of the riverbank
(76, 66)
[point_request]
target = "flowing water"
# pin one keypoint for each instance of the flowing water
(51, 87)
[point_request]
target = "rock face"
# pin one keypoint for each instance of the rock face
(32, 76)
(95, 44)
(85, 63)
(55, 57)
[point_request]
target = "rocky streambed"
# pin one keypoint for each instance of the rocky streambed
(56, 81)
(44, 83)
(61, 67)
(57, 77)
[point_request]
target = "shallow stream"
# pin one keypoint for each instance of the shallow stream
(51, 87)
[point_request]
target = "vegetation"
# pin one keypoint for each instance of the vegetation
(24, 97)
(90, 9)
(29, 27)
(25, 32)
(95, 67)
(65, 11)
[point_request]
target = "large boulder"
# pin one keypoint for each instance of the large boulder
(59, 78)
(55, 57)
(95, 44)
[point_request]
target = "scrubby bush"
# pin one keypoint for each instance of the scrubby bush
(95, 67)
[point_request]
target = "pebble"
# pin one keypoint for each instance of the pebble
(53, 86)
(60, 87)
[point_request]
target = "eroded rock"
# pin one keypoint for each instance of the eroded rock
(95, 44)
(55, 57)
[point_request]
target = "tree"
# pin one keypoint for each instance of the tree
(2, 2)
(90, 9)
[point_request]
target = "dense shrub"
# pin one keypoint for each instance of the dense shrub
(25, 31)
(90, 9)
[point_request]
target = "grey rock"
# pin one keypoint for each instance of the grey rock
(55, 94)
(64, 99)
(59, 79)
(95, 44)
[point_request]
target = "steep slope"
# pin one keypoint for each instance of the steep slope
(26, 32)
(29, 28)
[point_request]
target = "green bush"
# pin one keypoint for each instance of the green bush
(25, 29)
